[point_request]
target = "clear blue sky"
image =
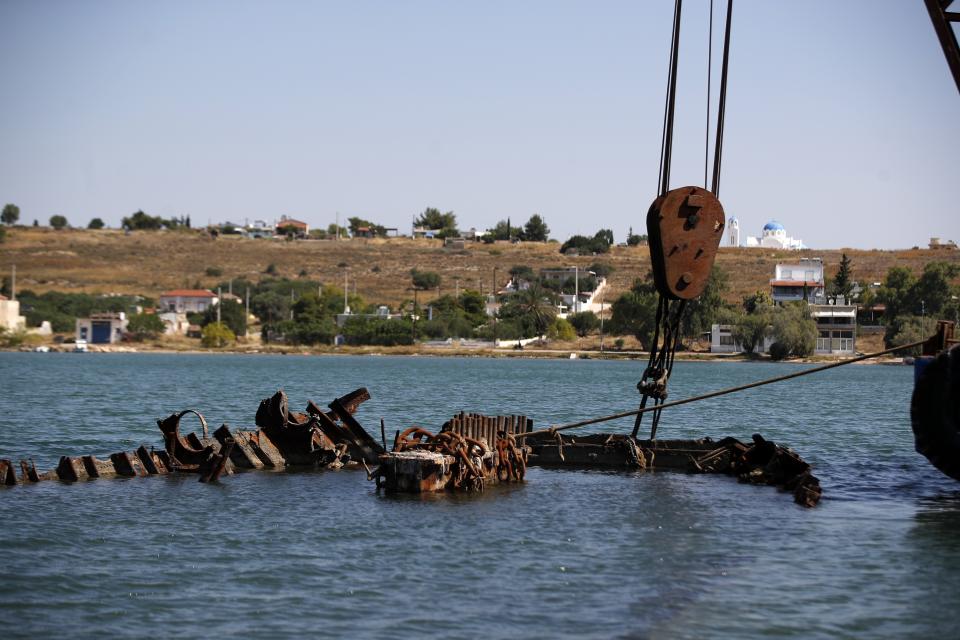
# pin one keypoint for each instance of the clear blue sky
(842, 118)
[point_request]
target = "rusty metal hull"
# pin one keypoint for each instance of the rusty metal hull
(760, 462)
(426, 471)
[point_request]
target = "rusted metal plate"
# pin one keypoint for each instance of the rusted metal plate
(241, 453)
(685, 227)
(268, 452)
(98, 468)
(127, 464)
(71, 469)
(370, 448)
(8, 475)
(416, 471)
(28, 471)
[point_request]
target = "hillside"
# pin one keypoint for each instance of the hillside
(109, 261)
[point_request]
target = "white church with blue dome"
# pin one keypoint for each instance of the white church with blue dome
(773, 236)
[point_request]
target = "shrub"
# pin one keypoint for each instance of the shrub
(560, 329)
(216, 335)
(271, 269)
(214, 272)
(144, 326)
(584, 322)
(58, 222)
(795, 329)
(96, 223)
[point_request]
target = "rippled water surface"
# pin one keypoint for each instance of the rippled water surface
(567, 554)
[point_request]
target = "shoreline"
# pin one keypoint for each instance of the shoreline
(449, 352)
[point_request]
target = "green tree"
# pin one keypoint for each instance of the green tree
(536, 230)
(759, 298)
(599, 243)
(424, 280)
(934, 290)
(843, 281)
(332, 230)
(751, 329)
(58, 222)
(446, 223)
(376, 331)
(896, 291)
(145, 326)
(10, 215)
(794, 331)
(561, 329)
(602, 269)
(520, 272)
(232, 313)
(502, 230)
(357, 223)
(142, 221)
(635, 312)
(702, 312)
(96, 223)
(905, 329)
(532, 308)
(216, 335)
(584, 322)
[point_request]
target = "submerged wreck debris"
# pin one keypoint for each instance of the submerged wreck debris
(762, 462)
(283, 439)
(470, 452)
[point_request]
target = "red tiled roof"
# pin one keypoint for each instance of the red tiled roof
(290, 222)
(188, 293)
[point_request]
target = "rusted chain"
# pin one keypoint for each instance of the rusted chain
(720, 392)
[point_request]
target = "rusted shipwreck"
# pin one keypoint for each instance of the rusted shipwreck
(468, 453)
(282, 438)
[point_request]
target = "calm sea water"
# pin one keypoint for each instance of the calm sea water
(567, 554)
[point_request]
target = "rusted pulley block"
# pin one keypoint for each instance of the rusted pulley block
(684, 227)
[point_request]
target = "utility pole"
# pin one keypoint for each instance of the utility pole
(291, 304)
(601, 321)
(415, 313)
(219, 299)
(576, 289)
(923, 313)
(496, 311)
(338, 225)
(13, 283)
(346, 305)
(246, 330)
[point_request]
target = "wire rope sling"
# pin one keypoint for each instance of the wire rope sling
(684, 228)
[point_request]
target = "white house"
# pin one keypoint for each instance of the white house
(187, 300)
(10, 318)
(836, 327)
(102, 328)
(794, 280)
(722, 341)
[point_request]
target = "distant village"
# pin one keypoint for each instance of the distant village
(556, 304)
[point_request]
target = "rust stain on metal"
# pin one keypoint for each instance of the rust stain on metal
(685, 226)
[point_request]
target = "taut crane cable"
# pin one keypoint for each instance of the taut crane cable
(670, 310)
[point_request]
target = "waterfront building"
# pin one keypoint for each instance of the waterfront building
(187, 300)
(797, 280)
(101, 328)
(10, 318)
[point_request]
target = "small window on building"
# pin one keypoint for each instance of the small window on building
(726, 340)
(846, 334)
(786, 274)
(83, 333)
(824, 334)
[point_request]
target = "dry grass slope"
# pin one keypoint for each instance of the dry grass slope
(109, 261)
